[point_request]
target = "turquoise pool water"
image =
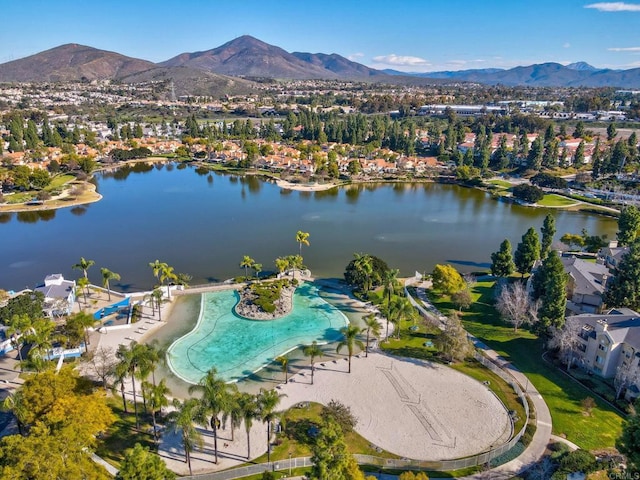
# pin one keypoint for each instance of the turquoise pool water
(238, 347)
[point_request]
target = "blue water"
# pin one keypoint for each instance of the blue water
(238, 347)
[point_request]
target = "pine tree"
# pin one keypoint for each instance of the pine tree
(502, 261)
(624, 289)
(548, 231)
(527, 252)
(578, 157)
(554, 296)
(628, 225)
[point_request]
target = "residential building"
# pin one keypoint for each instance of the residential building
(586, 284)
(59, 295)
(608, 345)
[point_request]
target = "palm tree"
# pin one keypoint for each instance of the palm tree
(373, 328)
(121, 372)
(130, 359)
(233, 414)
(268, 401)
(312, 351)
(83, 265)
(284, 362)
(85, 320)
(157, 295)
(107, 276)
(167, 274)
(401, 310)
(40, 336)
(182, 420)
(157, 400)
(390, 282)
(247, 262)
(257, 267)
(83, 285)
(350, 340)
(19, 325)
(157, 268)
(249, 406)
(216, 399)
(281, 264)
(364, 264)
(302, 237)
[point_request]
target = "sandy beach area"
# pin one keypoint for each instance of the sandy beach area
(414, 409)
(306, 187)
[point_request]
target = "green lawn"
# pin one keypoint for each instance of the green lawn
(553, 200)
(60, 180)
(524, 349)
(500, 183)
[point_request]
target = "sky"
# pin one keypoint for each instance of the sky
(405, 35)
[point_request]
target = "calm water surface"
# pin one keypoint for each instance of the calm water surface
(204, 224)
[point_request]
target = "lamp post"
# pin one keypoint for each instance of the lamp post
(289, 463)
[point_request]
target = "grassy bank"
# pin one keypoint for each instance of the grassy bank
(524, 349)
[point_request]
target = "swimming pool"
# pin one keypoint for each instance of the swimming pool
(238, 347)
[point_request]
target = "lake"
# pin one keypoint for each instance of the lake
(203, 224)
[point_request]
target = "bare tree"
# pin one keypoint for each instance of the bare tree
(453, 342)
(102, 363)
(516, 306)
(625, 375)
(566, 340)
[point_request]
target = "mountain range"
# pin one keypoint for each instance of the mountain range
(217, 71)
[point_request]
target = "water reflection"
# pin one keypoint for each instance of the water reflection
(34, 216)
(79, 211)
(5, 217)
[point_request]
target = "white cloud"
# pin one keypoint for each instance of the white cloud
(458, 63)
(624, 49)
(615, 7)
(401, 60)
(355, 56)
(566, 45)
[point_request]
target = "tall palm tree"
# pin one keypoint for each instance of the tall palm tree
(18, 326)
(350, 340)
(167, 274)
(249, 406)
(121, 372)
(312, 351)
(157, 295)
(216, 399)
(401, 310)
(373, 328)
(85, 320)
(156, 268)
(40, 336)
(130, 359)
(390, 283)
(107, 276)
(302, 238)
(182, 420)
(83, 286)
(233, 414)
(83, 265)
(283, 360)
(157, 400)
(247, 262)
(268, 401)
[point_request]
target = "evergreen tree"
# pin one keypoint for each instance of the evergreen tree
(534, 159)
(554, 296)
(31, 135)
(628, 225)
(579, 130)
(139, 463)
(578, 157)
(331, 459)
(548, 231)
(624, 289)
(502, 261)
(527, 252)
(629, 442)
(611, 132)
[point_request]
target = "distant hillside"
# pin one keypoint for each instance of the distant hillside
(71, 62)
(250, 57)
(190, 81)
(579, 74)
(341, 66)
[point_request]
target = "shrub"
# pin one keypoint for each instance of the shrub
(528, 193)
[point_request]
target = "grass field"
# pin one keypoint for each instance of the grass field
(553, 200)
(524, 349)
(500, 183)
